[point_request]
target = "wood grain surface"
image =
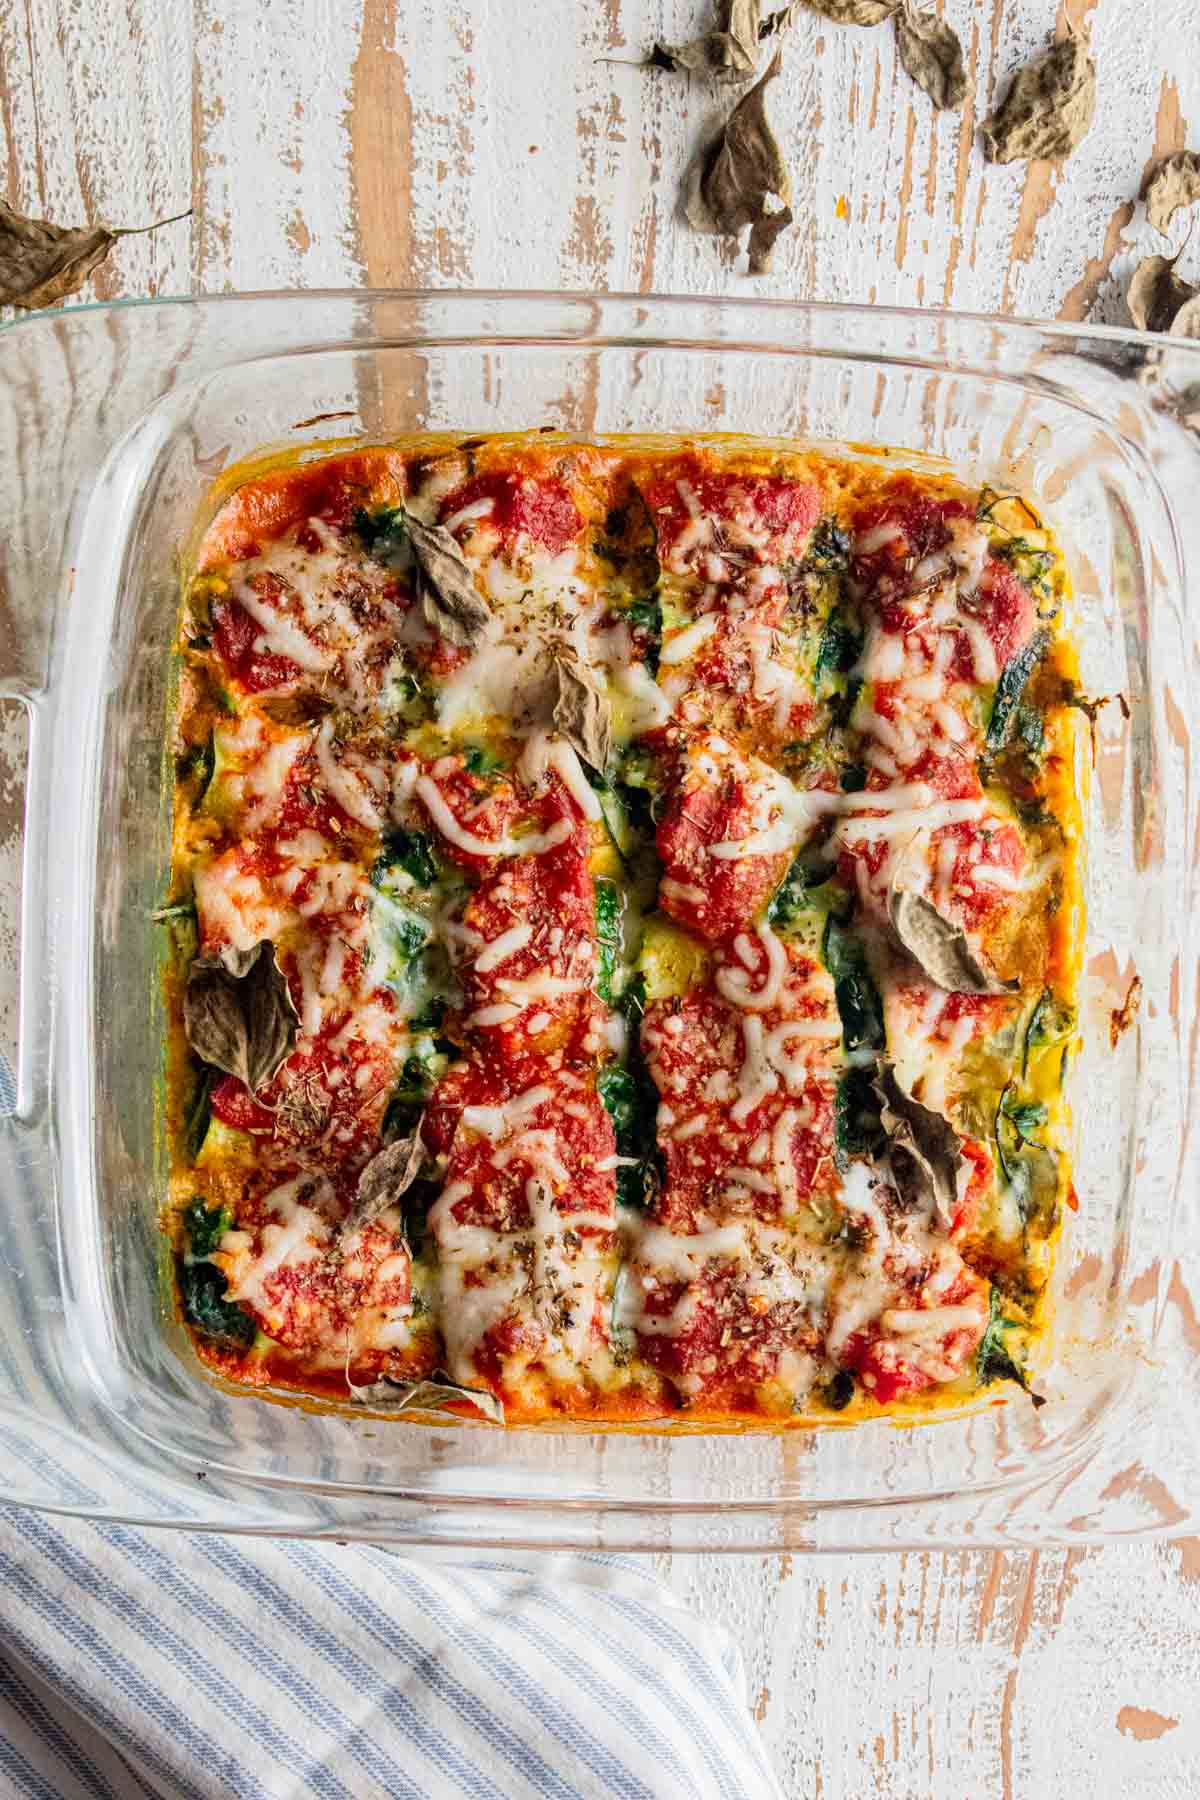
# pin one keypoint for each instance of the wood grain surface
(506, 143)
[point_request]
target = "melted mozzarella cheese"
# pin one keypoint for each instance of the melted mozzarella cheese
(784, 814)
(685, 643)
(500, 949)
(500, 1121)
(756, 1077)
(299, 1236)
(742, 988)
(264, 783)
(904, 823)
(279, 635)
(347, 784)
(534, 844)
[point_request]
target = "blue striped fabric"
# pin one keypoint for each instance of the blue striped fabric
(189, 1665)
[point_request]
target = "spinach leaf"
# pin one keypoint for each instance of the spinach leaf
(1026, 1116)
(196, 766)
(641, 803)
(205, 1225)
(1029, 562)
(410, 851)
(199, 1112)
(618, 1090)
(646, 618)
(829, 546)
(807, 887)
(858, 1002)
(631, 1101)
(202, 1289)
(990, 498)
(857, 1127)
(841, 706)
(790, 897)
(1011, 686)
(423, 1068)
(993, 1361)
(608, 937)
(628, 811)
(482, 761)
(1030, 729)
(840, 647)
(382, 533)
(1051, 1022)
(632, 1004)
(646, 614)
(407, 935)
(1028, 1167)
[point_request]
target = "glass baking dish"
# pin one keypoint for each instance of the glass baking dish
(118, 418)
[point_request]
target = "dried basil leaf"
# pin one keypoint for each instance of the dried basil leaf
(1175, 183)
(427, 1396)
(940, 948)
(729, 186)
(1122, 1017)
(778, 22)
(238, 1013)
(1186, 322)
(41, 264)
(924, 1149)
(1048, 110)
(385, 1179)
(581, 708)
(764, 231)
(932, 55)
(728, 54)
(449, 598)
(1157, 294)
(854, 12)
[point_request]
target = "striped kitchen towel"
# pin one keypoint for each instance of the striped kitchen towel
(190, 1665)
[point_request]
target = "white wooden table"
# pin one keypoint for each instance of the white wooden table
(485, 142)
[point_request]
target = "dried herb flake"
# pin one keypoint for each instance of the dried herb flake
(427, 1396)
(42, 264)
(238, 1013)
(940, 948)
(1048, 110)
(727, 54)
(1122, 1017)
(385, 1180)
(932, 55)
(924, 1149)
(581, 708)
(449, 598)
(1175, 183)
(1186, 322)
(1157, 294)
(729, 186)
(854, 12)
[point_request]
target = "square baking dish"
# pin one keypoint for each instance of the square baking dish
(120, 418)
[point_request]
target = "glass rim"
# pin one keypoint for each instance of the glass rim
(1070, 331)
